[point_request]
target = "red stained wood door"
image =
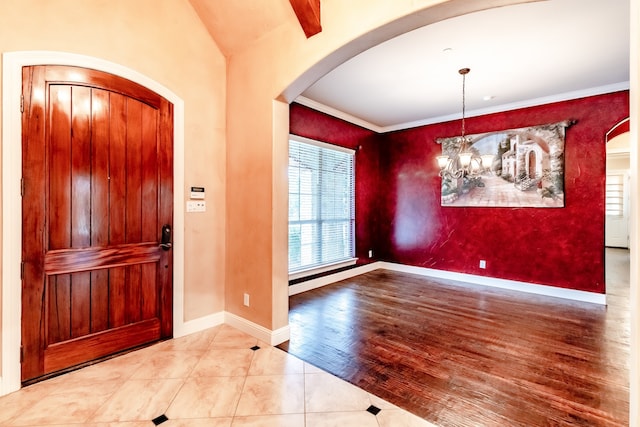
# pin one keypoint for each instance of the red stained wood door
(97, 190)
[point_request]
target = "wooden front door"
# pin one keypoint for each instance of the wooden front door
(97, 173)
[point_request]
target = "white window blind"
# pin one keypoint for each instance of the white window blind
(321, 204)
(615, 195)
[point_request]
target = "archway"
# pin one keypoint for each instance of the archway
(347, 51)
(617, 194)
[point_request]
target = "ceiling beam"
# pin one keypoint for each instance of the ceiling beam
(308, 13)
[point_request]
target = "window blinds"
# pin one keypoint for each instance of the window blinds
(321, 204)
(615, 195)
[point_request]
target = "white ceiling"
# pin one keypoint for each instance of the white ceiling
(522, 55)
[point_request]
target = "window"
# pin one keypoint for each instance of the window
(615, 195)
(321, 204)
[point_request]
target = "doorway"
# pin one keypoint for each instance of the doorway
(97, 217)
(617, 203)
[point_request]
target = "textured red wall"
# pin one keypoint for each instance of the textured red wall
(398, 212)
(312, 124)
(560, 247)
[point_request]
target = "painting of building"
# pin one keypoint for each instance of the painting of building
(527, 169)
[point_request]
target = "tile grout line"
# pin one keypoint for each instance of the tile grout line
(188, 375)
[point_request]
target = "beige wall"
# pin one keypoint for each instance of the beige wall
(164, 40)
(618, 162)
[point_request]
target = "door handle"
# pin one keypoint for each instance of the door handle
(165, 243)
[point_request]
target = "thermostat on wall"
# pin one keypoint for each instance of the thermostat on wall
(197, 192)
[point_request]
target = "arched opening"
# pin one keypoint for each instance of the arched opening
(617, 194)
(531, 170)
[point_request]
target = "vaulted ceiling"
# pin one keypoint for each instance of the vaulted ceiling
(220, 17)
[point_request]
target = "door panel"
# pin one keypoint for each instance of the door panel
(97, 167)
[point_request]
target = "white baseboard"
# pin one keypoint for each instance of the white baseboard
(532, 288)
(199, 324)
(332, 278)
(260, 332)
(263, 334)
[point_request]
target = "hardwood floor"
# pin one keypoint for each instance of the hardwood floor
(467, 355)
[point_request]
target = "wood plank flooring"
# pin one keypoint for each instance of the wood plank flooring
(467, 355)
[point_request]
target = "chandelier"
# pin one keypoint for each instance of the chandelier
(463, 161)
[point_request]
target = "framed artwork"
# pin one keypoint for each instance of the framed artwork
(520, 168)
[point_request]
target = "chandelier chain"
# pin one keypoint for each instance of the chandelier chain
(464, 72)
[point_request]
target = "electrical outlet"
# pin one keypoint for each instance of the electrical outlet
(246, 299)
(483, 263)
(370, 253)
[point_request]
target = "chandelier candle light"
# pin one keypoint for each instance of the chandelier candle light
(463, 162)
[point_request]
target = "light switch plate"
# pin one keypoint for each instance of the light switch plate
(196, 206)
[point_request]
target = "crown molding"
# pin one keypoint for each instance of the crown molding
(565, 96)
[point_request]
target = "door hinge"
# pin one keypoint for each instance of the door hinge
(21, 187)
(21, 270)
(22, 103)
(21, 353)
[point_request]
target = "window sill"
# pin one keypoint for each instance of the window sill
(321, 269)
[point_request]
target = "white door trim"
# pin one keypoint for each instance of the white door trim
(12, 203)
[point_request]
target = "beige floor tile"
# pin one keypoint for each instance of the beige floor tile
(199, 422)
(118, 368)
(210, 378)
(289, 420)
(206, 397)
(342, 419)
(122, 424)
(326, 393)
(381, 403)
(399, 417)
(139, 400)
(228, 337)
(192, 342)
(168, 364)
(273, 394)
(73, 403)
(16, 403)
(273, 361)
(224, 363)
(310, 369)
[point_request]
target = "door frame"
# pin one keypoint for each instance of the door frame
(11, 198)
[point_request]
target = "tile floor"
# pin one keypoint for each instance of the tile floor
(220, 377)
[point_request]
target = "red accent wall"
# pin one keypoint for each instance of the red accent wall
(559, 247)
(309, 123)
(398, 212)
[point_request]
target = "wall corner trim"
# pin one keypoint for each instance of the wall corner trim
(198, 325)
(274, 337)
